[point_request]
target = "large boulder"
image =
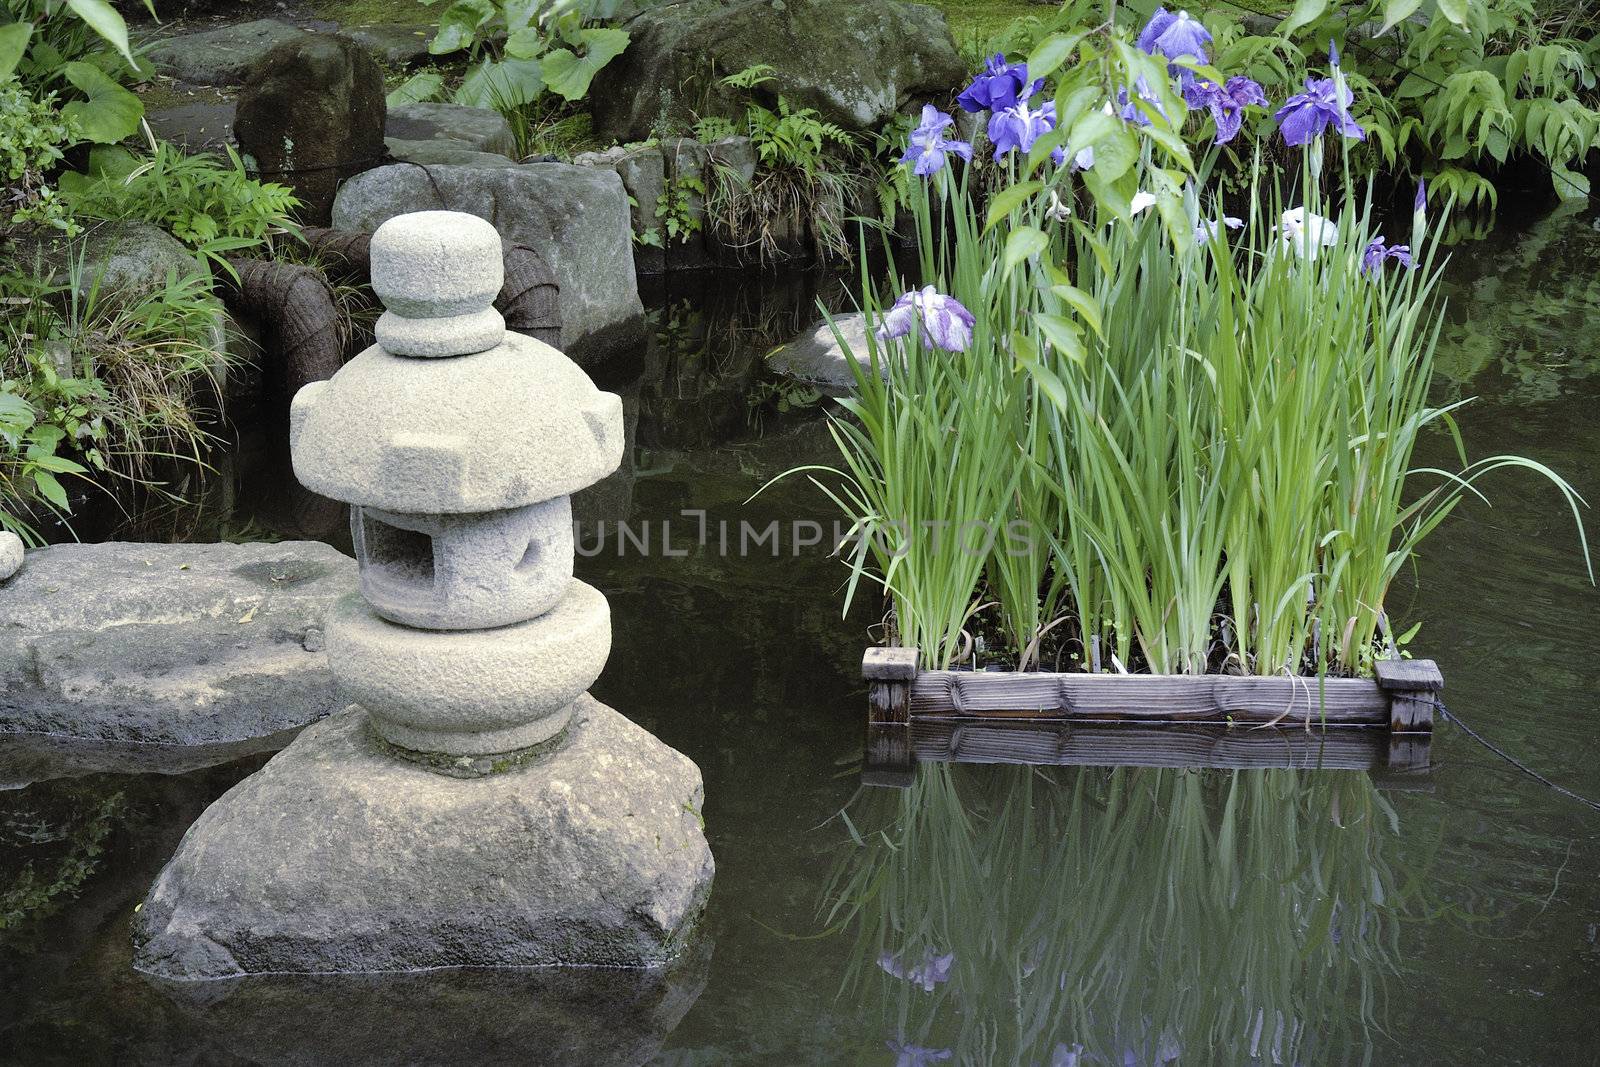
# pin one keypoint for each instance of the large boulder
(222, 56)
(168, 644)
(123, 259)
(856, 61)
(575, 217)
(311, 115)
(338, 857)
(816, 357)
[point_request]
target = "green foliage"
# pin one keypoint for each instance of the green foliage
(81, 54)
(209, 202)
(31, 893)
(1450, 89)
(676, 207)
(32, 135)
(93, 387)
(517, 50)
(795, 137)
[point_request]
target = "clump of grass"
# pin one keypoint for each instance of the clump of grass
(115, 390)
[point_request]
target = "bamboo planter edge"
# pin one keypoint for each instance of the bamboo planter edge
(1383, 722)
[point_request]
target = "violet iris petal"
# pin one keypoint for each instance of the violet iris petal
(929, 147)
(1018, 127)
(1130, 111)
(1174, 36)
(1376, 253)
(1001, 85)
(947, 325)
(1325, 103)
(1421, 201)
(1226, 103)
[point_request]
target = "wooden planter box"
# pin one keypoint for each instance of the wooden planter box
(1381, 723)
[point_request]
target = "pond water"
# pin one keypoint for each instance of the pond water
(986, 914)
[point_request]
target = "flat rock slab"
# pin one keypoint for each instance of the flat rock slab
(397, 44)
(168, 644)
(197, 127)
(482, 128)
(29, 758)
(222, 56)
(441, 152)
(816, 357)
(338, 858)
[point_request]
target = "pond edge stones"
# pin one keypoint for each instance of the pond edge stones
(546, 828)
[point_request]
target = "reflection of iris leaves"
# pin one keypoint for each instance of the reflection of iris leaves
(40, 885)
(1148, 914)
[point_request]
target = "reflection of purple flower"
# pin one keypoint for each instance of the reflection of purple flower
(1376, 252)
(1226, 102)
(1066, 1055)
(1018, 127)
(908, 1055)
(929, 147)
(1001, 85)
(1326, 102)
(933, 969)
(1174, 36)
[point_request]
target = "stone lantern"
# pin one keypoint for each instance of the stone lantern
(473, 805)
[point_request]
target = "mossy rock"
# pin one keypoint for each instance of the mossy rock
(857, 62)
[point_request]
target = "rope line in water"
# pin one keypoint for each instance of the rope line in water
(1518, 764)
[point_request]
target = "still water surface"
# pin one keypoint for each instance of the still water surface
(986, 914)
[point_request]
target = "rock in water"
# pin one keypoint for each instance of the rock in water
(577, 218)
(875, 57)
(311, 115)
(10, 554)
(171, 644)
(816, 357)
(338, 857)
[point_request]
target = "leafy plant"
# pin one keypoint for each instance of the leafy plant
(208, 202)
(517, 50)
(676, 208)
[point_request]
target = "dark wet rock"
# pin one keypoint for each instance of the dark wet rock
(222, 56)
(167, 644)
(575, 217)
(483, 128)
(312, 115)
(396, 44)
(880, 56)
(441, 152)
(337, 857)
(816, 357)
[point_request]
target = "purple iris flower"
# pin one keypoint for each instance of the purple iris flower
(929, 147)
(934, 968)
(1001, 85)
(1019, 127)
(1376, 252)
(1420, 204)
(1333, 53)
(1326, 102)
(1174, 36)
(909, 1055)
(1226, 102)
(1130, 111)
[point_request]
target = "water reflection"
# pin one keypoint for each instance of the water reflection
(1126, 915)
